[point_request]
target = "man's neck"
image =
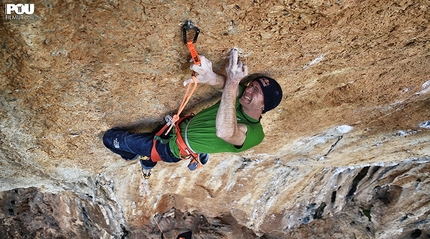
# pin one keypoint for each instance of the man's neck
(255, 114)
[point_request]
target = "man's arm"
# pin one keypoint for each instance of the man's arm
(227, 127)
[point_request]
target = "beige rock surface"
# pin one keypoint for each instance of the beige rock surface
(358, 71)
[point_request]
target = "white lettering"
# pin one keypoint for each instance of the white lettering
(19, 17)
(9, 8)
(19, 8)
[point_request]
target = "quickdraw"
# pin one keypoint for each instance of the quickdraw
(189, 40)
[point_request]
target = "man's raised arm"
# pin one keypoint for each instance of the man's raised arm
(227, 127)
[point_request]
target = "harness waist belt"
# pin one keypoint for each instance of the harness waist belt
(184, 151)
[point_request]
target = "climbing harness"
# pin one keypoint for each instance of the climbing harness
(185, 151)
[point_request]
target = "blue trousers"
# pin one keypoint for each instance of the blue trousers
(129, 146)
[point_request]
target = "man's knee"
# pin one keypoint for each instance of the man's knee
(110, 137)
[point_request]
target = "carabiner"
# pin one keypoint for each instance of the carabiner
(188, 26)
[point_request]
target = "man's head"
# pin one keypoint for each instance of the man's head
(261, 94)
(272, 92)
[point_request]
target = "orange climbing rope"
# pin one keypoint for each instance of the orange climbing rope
(184, 102)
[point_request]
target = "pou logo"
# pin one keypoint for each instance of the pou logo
(19, 8)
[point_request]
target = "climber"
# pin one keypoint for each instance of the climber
(231, 125)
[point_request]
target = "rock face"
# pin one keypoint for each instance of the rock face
(345, 155)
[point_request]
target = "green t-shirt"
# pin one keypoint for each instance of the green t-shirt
(201, 132)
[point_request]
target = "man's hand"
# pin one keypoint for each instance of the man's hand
(206, 74)
(204, 70)
(235, 69)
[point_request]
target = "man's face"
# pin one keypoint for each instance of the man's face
(252, 97)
